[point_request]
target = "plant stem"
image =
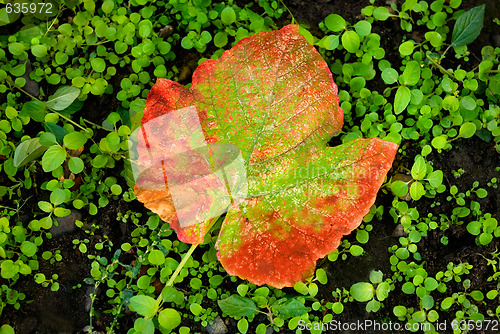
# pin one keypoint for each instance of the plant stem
(110, 329)
(441, 68)
(92, 297)
(8, 207)
(442, 56)
(96, 125)
(69, 120)
(289, 12)
(55, 112)
(54, 20)
(22, 90)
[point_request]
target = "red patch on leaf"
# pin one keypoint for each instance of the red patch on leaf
(265, 259)
(272, 96)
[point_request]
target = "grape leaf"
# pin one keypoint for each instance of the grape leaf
(273, 98)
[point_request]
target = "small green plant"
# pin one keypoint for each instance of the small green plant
(420, 171)
(485, 228)
(52, 257)
(373, 292)
(276, 309)
(458, 173)
(42, 279)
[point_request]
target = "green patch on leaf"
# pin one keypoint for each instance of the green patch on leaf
(279, 111)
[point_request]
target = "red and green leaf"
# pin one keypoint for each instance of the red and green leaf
(273, 97)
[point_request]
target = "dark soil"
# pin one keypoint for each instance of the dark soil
(479, 160)
(67, 310)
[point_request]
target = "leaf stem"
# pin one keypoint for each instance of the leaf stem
(178, 270)
(184, 261)
(289, 12)
(61, 8)
(96, 125)
(69, 120)
(388, 90)
(181, 265)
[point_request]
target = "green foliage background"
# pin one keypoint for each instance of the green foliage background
(73, 83)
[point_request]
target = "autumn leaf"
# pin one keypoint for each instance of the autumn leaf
(271, 102)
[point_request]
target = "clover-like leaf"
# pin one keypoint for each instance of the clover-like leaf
(402, 99)
(362, 291)
(144, 305)
(265, 111)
